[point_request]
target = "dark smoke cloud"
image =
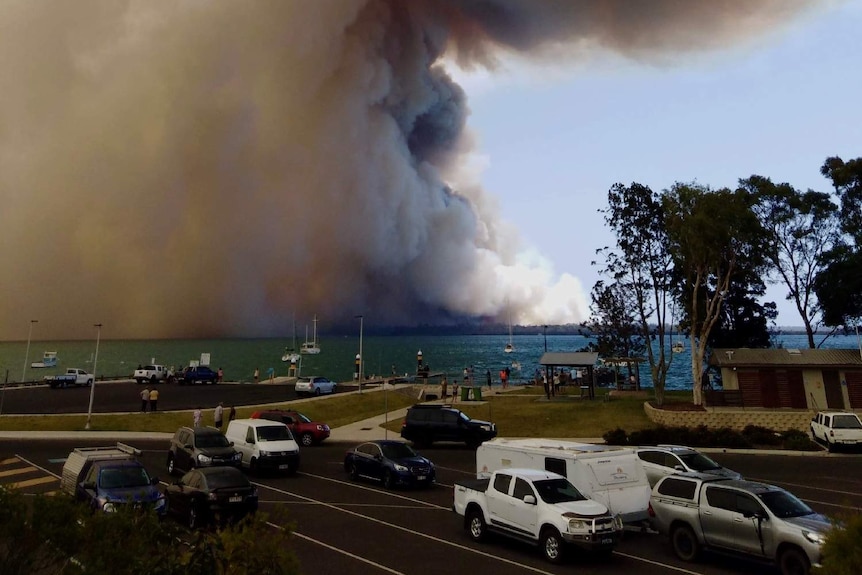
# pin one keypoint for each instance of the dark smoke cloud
(189, 168)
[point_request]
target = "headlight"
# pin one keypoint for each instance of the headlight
(400, 468)
(237, 456)
(577, 524)
(204, 460)
(486, 428)
(321, 428)
(264, 453)
(618, 522)
(108, 507)
(160, 502)
(814, 537)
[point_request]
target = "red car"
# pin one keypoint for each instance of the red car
(305, 431)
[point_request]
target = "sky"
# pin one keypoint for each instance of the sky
(553, 139)
(222, 169)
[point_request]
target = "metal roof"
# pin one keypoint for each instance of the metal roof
(803, 357)
(569, 358)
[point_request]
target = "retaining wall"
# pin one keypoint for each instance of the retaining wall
(733, 417)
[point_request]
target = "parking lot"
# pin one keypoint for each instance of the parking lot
(347, 527)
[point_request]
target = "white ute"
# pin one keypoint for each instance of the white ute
(837, 428)
(536, 506)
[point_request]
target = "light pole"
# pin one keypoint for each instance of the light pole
(98, 326)
(545, 332)
(361, 359)
(27, 354)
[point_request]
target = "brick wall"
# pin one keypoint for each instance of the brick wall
(734, 418)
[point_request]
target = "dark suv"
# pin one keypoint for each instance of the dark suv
(193, 447)
(306, 431)
(427, 423)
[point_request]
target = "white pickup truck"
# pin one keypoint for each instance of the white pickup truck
(836, 428)
(151, 374)
(73, 376)
(540, 507)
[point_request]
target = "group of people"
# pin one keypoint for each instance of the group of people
(218, 416)
(149, 399)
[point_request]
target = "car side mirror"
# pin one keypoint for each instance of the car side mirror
(530, 499)
(154, 481)
(187, 446)
(752, 514)
(678, 468)
(88, 485)
(230, 443)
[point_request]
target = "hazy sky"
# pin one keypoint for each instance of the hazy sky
(215, 169)
(554, 139)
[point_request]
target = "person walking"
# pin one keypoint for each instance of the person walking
(154, 399)
(232, 415)
(443, 385)
(145, 399)
(219, 414)
(197, 416)
(488, 377)
(256, 374)
(220, 375)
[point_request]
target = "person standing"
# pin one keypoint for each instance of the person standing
(443, 385)
(154, 399)
(232, 415)
(197, 416)
(256, 375)
(220, 375)
(219, 415)
(488, 377)
(145, 399)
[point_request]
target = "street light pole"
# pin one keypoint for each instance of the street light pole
(27, 355)
(545, 332)
(361, 358)
(98, 326)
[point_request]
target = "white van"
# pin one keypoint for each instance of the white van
(264, 444)
(613, 476)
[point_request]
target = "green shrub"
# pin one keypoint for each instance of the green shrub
(842, 554)
(758, 435)
(616, 437)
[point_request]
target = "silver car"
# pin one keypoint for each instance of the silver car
(661, 460)
(314, 385)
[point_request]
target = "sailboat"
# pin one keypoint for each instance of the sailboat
(290, 353)
(510, 347)
(310, 347)
(678, 346)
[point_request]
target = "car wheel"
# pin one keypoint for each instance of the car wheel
(317, 391)
(552, 545)
(252, 465)
(171, 466)
(307, 439)
(194, 519)
(333, 389)
(139, 381)
(474, 443)
(830, 447)
(476, 525)
(793, 562)
(153, 380)
(388, 480)
(684, 542)
(352, 471)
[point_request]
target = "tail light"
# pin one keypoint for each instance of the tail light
(650, 510)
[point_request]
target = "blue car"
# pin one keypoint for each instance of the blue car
(394, 463)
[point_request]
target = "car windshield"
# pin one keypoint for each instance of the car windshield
(846, 422)
(557, 491)
(120, 477)
(464, 416)
(397, 451)
(212, 440)
(784, 504)
(225, 478)
(699, 462)
(303, 418)
(273, 433)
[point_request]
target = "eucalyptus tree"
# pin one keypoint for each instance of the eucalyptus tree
(613, 321)
(839, 285)
(710, 233)
(802, 228)
(640, 268)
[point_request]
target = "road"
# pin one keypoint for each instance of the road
(362, 529)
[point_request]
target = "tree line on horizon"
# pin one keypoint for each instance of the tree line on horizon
(698, 260)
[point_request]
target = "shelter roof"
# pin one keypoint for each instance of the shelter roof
(569, 358)
(791, 357)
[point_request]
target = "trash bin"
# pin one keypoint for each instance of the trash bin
(477, 393)
(465, 393)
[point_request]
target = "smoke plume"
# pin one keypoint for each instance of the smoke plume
(194, 168)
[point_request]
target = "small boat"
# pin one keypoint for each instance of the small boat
(678, 347)
(510, 347)
(49, 359)
(310, 347)
(516, 365)
(290, 354)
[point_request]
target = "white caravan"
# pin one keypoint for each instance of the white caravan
(613, 476)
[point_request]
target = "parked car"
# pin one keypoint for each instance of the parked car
(836, 428)
(264, 445)
(699, 511)
(198, 374)
(661, 460)
(315, 385)
(215, 495)
(391, 462)
(427, 423)
(305, 431)
(193, 447)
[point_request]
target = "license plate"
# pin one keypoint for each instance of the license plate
(235, 499)
(283, 466)
(607, 541)
(420, 478)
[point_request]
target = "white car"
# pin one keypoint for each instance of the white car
(315, 385)
(837, 428)
(661, 460)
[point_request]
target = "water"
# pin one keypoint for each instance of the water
(240, 357)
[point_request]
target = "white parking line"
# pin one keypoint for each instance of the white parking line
(367, 488)
(853, 493)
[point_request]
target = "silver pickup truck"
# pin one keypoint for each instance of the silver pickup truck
(761, 521)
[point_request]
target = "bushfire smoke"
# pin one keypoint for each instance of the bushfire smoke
(193, 168)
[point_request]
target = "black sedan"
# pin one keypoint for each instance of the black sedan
(391, 462)
(211, 495)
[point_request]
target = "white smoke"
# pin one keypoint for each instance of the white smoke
(192, 168)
